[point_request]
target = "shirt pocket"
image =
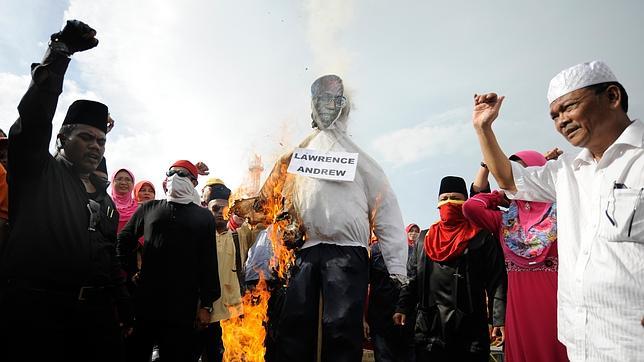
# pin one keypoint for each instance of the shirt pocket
(624, 217)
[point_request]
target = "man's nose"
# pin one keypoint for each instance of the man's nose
(562, 121)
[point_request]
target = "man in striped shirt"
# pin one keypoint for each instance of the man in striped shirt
(599, 194)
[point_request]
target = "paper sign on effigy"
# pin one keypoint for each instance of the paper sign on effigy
(337, 166)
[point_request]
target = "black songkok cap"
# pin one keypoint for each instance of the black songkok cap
(87, 112)
(453, 184)
(219, 192)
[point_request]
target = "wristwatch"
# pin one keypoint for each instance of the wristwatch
(483, 164)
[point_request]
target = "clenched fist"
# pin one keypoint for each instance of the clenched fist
(76, 36)
(486, 109)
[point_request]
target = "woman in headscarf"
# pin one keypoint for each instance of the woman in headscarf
(527, 232)
(144, 191)
(412, 231)
(450, 273)
(122, 186)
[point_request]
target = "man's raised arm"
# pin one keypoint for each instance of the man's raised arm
(486, 109)
(30, 135)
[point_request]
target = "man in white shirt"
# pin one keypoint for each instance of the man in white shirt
(599, 194)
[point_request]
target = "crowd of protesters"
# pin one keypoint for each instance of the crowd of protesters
(549, 268)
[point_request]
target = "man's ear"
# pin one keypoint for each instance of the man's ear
(614, 96)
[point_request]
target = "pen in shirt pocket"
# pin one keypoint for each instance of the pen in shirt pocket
(637, 202)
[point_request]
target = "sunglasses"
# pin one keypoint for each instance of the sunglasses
(180, 173)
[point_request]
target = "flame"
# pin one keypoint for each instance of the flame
(243, 336)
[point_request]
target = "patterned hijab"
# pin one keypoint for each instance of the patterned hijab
(529, 228)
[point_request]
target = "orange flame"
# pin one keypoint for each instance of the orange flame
(243, 336)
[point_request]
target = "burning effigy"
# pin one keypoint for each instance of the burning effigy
(324, 199)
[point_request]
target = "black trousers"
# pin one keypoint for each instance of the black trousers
(393, 344)
(340, 273)
(176, 342)
(37, 325)
(210, 346)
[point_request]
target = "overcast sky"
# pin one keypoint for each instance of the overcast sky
(218, 81)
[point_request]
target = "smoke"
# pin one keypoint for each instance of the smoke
(327, 20)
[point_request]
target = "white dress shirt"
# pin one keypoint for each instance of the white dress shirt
(600, 223)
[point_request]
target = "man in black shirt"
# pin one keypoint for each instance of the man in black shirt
(59, 275)
(179, 268)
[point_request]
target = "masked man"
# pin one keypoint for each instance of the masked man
(337, 217)
(452, 270)
(179, 267)
(59, 272)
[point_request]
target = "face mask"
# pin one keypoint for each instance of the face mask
(180, 189)
(451, 212)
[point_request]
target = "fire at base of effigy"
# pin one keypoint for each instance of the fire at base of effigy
(244, 336)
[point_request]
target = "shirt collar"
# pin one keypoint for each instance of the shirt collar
(633, 135)
(224, 233)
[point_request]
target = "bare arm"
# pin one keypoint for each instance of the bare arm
(486, 110)
(480, 183)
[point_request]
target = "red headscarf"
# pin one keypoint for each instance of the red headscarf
(449, 237)
(125, 203)
(140, 185)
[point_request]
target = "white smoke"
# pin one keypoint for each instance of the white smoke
(327, 22)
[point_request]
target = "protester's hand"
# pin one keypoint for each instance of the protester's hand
(497, 337)
(202, 168)
(76, 36)
(553, 154)
(497, 200)
(365, 329)
(203, 318)
(110, 123)
(399, 319)
(486, 109)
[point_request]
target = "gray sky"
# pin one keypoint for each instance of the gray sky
(218, 81)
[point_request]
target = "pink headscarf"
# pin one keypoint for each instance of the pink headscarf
(125, 203)
(531, 212)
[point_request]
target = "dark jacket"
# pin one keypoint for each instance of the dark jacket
(450, 296)
(179, 257)
(53, 242)
(383, 291)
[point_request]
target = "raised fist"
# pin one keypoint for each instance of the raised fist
(486, 109)
(76, 36)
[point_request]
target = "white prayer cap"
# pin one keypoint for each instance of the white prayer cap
(579, 76)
